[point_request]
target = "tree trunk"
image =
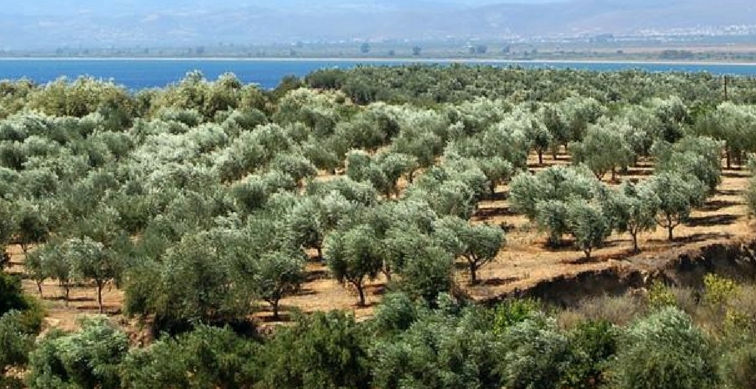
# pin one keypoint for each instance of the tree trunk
(361, 292)
(99, 297)
(473, 273)
(274, 305)
(635, 243)
(39, 288)
(728, 158)
(540, 157)
(387, 272)
(587, 254)
(67, 292)
(670, 237)
(320, 253)
(614, 173)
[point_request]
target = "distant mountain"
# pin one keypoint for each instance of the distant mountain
(47, 24)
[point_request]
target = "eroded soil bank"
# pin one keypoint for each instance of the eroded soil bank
(683, 267)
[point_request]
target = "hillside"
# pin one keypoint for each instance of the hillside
(205, 23)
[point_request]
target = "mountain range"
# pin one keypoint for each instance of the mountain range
(44, 24)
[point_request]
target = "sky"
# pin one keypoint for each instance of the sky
(42, 7)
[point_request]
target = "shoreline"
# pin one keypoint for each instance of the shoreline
(383, 60)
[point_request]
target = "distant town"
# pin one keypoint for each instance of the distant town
(735, 43)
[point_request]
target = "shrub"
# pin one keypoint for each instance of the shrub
(619, 310)
(664, 350)
(536, 355)
(512, 312)
(441, 349)
(659, 296)
(11, 294)
(739, 367)
(87, 359)
(16, 342)
(325, 351)
(593, 343)
(719, 290)
(207, 357)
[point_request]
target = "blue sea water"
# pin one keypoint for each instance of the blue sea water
(137, 74)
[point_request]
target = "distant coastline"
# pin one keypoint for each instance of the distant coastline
(422, 60)
(137, 73)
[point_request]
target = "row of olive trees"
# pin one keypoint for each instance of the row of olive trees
(568, 200)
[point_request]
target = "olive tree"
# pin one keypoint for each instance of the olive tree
(603, 148)
(697, 157)
(477, 244)
(56, 264)
(632, 209)
(540, 138)
(195, 283)
(588, 224)
(677, 198)
(554, 183)
(91, 260)
(277, 275)
(31, 225)
(553, 216)
(6, 231)
(354, 256)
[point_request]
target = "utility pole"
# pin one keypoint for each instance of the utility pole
(725, 88)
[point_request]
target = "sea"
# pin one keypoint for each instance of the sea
(137, 74)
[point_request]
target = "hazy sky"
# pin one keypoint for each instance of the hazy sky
(39, 7)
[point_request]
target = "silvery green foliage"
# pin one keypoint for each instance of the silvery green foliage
(552, 216)
(603, 148)
(92, 261)
(579, 113)
(664, 350)
(698, 157)
(319, 111)
(476, 244)
(557, 183)
(422, 135)
(677, 197)
(16, 342)
(85, 359)
(733, 124)
(535, 354)
(354, 256)
(441, 348)
(640, 133)
(671, 114)
(275, 275)
(631, 208)
(353, 191)
(477, 115)
(295, 166)
(588, 224)
(452, 188)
